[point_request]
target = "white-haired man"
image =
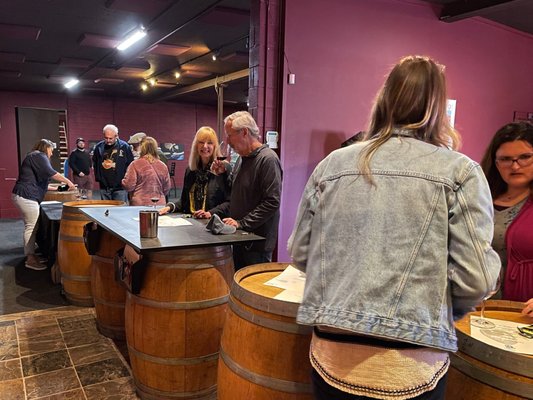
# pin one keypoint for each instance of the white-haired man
(111, 158)
(255, 192)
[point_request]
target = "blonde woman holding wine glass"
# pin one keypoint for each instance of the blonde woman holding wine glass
(147, 177)
(203, 190)
(508, 166)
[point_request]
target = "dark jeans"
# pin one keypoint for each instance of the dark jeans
(114, 194)
(323, 391)
(243, 257)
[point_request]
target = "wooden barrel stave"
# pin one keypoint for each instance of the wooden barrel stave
(72, 257)
(479, 370)
(264, 353)
(173, 326)
(108, 295)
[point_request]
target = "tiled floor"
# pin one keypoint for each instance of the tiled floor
(58, 354)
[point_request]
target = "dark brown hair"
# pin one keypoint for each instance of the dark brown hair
(507, 133)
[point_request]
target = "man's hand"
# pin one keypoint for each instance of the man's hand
(232, 222)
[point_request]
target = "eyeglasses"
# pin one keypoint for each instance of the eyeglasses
(522, 160)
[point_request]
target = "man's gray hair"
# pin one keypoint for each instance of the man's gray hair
(243, 119)
(110, 127)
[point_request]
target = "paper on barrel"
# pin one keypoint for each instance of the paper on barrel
(292, 281)
(503, 335)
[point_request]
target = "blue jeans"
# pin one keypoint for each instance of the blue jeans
(114, 194)
(243, 257)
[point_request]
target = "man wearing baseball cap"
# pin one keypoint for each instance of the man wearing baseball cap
(80, 163)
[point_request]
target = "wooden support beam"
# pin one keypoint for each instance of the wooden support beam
(463, 9)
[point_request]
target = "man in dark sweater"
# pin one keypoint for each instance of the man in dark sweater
(80, 163)
(111, 158)
(255, 192)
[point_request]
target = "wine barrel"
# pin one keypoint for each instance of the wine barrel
(481, 371)
(264, 354)
(72, 257)
(174, 324)
(54, 195)
(108, 295)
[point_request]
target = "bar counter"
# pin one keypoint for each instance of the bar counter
(174, 320)
(120, 222)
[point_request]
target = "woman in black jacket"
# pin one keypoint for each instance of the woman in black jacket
(203, 191)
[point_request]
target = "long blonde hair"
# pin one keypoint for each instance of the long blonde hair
(412, 98)
(149, 149)
(204, 134)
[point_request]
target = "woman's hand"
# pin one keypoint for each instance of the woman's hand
(164, 210)
(201, 214)
(528, 309)
(71, 186)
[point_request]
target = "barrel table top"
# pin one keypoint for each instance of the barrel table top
(123, 223)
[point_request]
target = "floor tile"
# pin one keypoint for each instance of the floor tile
(102, 350)
(76, 323)
(102, 371)
(118, 389)
(12, 390)
(10, 370)
(76, 394)
(51, 383)
(9, 350)
(7, 331)
(45, 362)
(41, 344)
(27, 332)
(82, 337)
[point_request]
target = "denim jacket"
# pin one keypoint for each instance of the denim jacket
(401, 259)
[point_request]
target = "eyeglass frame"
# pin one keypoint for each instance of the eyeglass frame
(509, 161)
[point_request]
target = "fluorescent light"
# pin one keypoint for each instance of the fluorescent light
(131, 39)
(71, 83)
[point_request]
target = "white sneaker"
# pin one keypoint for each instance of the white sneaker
(35, 265)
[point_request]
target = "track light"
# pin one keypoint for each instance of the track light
(177, 74)
(152, 81)
(144, 87)
(71, 83)
(214, 56)
(131, 39)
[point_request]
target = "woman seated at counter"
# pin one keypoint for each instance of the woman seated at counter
(147, 179)
(30, 189)
(203, 191)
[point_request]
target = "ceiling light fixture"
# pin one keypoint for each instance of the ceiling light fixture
(177, 75)
(144, 87)
(131, 39)
(214, 56)
(71, 83)
(152, 81)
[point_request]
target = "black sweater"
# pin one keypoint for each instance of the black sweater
(80, 161)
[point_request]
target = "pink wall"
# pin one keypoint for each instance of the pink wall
(86, 116)
(340, 51)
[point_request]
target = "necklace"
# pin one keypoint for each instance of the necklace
(515, 197)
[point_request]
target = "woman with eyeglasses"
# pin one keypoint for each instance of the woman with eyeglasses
(508, 166)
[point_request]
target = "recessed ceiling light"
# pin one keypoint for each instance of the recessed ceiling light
(71, 83)
(131, 39)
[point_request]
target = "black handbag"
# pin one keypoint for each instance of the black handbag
(129, 269)
(91, 237)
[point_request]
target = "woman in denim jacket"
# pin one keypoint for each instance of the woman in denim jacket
(394, 235)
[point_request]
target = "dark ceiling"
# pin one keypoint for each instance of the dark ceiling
(45, 42)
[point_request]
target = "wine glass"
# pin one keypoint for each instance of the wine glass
(223, 151)
(154, 196)
(481, 321)
(83, 194)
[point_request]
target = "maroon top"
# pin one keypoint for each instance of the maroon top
(144, 179)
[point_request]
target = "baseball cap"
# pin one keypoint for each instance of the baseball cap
(80, 139)
(137, 138)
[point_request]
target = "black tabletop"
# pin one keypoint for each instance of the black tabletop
(123, 222)
(52, 210)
